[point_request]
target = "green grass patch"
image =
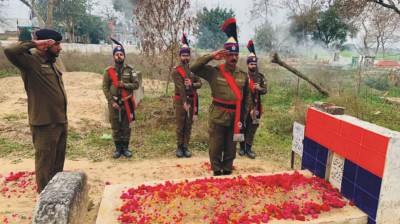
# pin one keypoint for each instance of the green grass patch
(14, 117)
(13, 148)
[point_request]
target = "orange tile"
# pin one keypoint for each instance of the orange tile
(314, 116)
(333, 123)
(352, 150)
(337, 144)
(311, 132)
(375, 141)
(351, 131)
(324, 137)
(372, 161)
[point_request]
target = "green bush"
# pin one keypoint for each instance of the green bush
(377, 82)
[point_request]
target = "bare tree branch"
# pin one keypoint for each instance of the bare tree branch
(275, 59)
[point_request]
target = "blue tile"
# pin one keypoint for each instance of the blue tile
(308, 162)
(366, 202)
(322, 154)
(347, 189)
(310, 147)
(350, 170)
(320, 170)
(371, 221)
(369, 182)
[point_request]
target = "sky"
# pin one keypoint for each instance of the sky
(16, 9)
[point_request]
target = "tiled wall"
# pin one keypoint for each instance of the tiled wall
(364, 152)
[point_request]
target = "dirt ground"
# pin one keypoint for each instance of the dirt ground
(86, 101)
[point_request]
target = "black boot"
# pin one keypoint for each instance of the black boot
(125, 149)
(118, 150)
(242, 150)
(179, 151)
(186, 152)
(218, 173)
(249, 152)
(226, 172)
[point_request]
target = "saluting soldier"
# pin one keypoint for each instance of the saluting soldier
(186, 101)
(231, 100)
(119, 81)
(258, 87)
(47, 100)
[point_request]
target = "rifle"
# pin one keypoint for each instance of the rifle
(187, 88)
(256, 98)
(119, 99)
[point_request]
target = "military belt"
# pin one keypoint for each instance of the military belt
(224, 105)
(122, 99)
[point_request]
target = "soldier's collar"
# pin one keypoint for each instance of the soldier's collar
(43, 57)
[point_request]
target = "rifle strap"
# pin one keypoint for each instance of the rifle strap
(129, 104)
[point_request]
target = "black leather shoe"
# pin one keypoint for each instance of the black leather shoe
(250, 154)
(125, 150)
(127, 153)
(226, 172)
(218, 173)
(179, 151)
(117, 152)
(242, 150)
(186, 152)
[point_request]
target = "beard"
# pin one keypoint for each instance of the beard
(252, 69)
(119, 60)
(185, 61)
(51, 54)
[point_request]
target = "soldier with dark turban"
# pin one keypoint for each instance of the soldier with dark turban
(186, 100)
(258, 87)
(119, 81)
(47, 100)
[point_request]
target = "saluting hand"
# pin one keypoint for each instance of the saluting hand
(42, 45)
(219, 54)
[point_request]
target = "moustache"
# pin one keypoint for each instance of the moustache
(234, 60)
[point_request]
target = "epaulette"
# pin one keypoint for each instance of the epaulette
(128, 66)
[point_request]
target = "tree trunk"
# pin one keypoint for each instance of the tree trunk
(49, 22)
(275, 59)
(171, 65)
(35, 11)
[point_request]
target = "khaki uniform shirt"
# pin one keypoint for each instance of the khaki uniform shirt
(129, 78)
(263, 85)
(179, 84)
(220, 88)
(47, 100)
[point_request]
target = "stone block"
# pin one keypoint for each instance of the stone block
(63, 200)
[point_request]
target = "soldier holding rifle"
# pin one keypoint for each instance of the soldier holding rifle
(186, 101)
(119, 81)
(258, 86)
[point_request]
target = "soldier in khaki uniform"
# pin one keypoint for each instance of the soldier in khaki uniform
(186, 100)
(231, 100)
(47, 101)
(119, 81)
(258, 87)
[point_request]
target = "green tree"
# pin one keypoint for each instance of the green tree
(264, 37)
(331, 30)
(208, 33)
(67, 14)
(94, 27)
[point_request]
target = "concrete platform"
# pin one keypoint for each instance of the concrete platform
(107, 213)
